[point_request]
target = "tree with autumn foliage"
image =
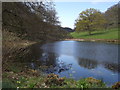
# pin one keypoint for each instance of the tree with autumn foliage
(90, 20)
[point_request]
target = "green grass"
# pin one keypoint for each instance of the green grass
(102, 34)
(17, 80)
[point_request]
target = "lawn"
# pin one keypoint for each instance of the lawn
(101, 34)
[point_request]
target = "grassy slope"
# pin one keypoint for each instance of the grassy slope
(104, 34)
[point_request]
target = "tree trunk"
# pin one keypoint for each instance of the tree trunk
(89, 32)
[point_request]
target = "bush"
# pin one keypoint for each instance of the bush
(53, 79)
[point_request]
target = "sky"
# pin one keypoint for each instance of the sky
(68, 12)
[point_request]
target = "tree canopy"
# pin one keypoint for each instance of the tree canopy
(89, 20)
(32, 20)
(111, 16)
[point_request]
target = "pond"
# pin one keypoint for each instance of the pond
(75, 59)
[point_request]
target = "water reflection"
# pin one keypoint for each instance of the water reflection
(99, 52)
(92, 64)
(113, 67)
(44, 60)
(49, 55)
(53, 63)
(48, 59)
(86, 59)
(87, 63)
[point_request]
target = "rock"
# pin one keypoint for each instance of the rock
(116, 85)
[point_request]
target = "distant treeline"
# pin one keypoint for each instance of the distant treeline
(32, 20)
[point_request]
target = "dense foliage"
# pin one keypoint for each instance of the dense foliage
(92, 19)
(111, 16)
(32, 20)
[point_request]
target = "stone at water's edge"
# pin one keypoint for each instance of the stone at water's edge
(116, 85)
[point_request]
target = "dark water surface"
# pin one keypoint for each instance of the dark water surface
(74, 59)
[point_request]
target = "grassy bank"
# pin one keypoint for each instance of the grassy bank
(34, 79)
(102, 34)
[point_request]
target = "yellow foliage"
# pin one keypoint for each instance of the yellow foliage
(92, 80)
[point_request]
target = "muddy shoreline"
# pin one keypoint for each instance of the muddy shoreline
(116, 41)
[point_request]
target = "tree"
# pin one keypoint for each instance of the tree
(35, 21)
(111, 16)
(89, 20)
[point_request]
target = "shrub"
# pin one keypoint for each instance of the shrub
(53, 79)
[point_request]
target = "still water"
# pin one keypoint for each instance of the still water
(74, 59)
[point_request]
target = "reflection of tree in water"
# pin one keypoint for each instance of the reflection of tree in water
(37, 58)
(30, 54)
(53, 63)
(113, 67)
(87, 63)
(90, 64)
(48, 59)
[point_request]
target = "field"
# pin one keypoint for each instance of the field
(101, 34)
